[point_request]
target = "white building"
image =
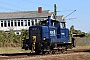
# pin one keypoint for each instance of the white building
(22, 19)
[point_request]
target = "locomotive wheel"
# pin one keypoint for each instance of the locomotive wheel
(38, 48)
(63, 50)
(53, 52)
(50, 52)
(44, 52)
(38, 52)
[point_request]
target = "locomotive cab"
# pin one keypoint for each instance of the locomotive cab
(48, 36)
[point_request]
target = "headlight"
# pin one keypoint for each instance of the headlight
(44, 38)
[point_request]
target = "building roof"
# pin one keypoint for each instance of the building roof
(25, 14)
(60, 17)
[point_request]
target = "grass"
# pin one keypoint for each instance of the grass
(4, 50)
(82, 47)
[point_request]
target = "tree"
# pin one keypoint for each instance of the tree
(71, 31)
(24, 33)
(72, 28)
(88, 35)
(79, 32)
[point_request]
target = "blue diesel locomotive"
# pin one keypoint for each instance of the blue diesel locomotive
(49, 36)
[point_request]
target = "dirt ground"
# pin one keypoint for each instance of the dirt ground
(72, 56)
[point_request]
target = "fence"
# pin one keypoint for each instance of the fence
(82, 41)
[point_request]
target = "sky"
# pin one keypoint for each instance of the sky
(64, 7)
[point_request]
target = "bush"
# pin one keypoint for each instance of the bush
(12, 40)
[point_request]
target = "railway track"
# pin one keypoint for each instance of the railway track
(17, 56)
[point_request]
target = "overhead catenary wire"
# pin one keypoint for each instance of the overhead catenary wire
(11, 5)
(41, 4)
(44, 5)
(38, 3)
(18, 6)
(34, 3)
(83, 12)
(7, 8)
(58, 7)
(52, 6)
(70, 18)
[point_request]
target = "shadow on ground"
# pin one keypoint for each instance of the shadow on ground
(86, 51)
(17, 54)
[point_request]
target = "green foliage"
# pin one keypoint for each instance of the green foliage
(24, 33)
(10, 39)
(71, 32)
(72, 28)
(78, 32)
(88, 35)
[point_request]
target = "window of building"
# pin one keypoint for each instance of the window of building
(32, 22)
(28, 22)
(1, 23)
(8, 23)
(35, 21)
(5, 24)
(15, 23)
(25, 22)
(21, 22)
(11, 22)
(18, 22)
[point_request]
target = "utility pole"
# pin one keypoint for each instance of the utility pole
(55, 11)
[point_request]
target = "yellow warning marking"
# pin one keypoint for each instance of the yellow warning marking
(34, 41)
